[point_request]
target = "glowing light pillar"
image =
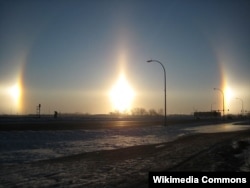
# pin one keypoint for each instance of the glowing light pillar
(165, 96)
(223, 100)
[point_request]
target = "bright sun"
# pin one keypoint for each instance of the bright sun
(122, 95)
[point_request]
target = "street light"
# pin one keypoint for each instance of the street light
(242, 109)
(165, 96)
(223, 99)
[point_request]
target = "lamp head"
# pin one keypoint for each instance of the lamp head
(149, 61)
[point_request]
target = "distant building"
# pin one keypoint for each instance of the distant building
(212, 114)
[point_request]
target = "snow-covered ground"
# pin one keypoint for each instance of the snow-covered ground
(27, 146)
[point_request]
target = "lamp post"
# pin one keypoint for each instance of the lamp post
(223, 99)
(242, 109)
(165, 96)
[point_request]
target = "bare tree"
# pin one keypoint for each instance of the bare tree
(160, 112)
(139, 112)
(152, 112)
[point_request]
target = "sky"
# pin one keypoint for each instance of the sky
(90, 56)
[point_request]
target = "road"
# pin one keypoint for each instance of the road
(10, 123)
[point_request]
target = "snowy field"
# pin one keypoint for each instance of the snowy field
(27, 146)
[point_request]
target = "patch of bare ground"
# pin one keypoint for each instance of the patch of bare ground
(129, 167)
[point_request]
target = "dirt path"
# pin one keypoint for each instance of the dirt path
(129, 167)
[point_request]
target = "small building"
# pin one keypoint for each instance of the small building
(210, 114)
